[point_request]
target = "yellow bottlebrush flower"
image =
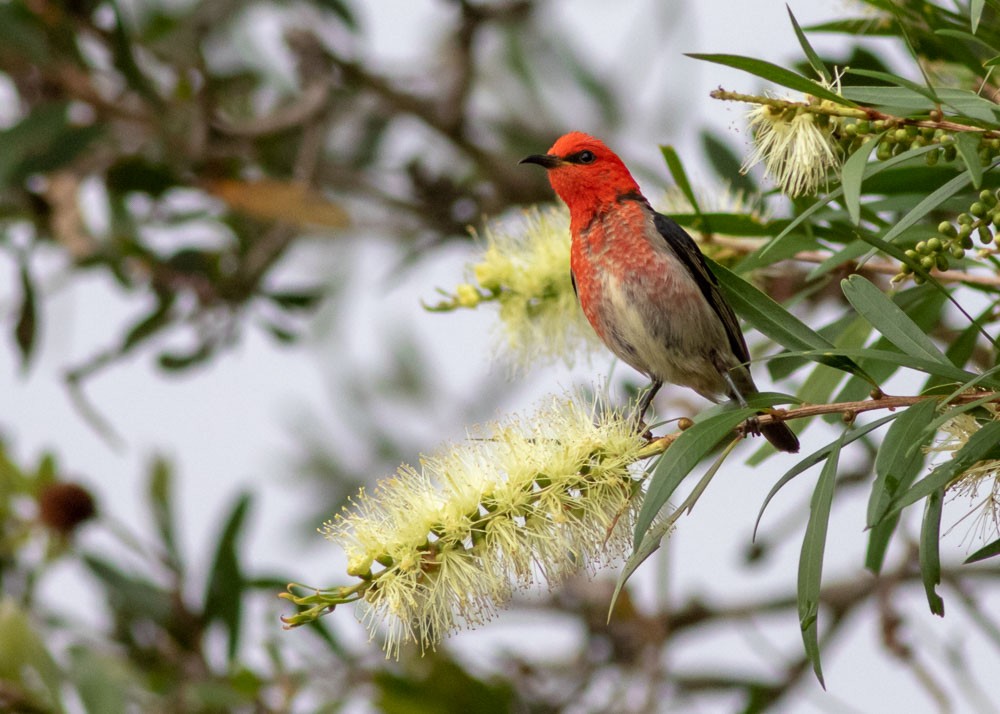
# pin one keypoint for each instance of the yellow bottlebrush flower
(971, 483)
(446, 544)
(524, 268)
(796, 146)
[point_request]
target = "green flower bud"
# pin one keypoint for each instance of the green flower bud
(941, 261)
(901, 135)
(996, 219)
(964, 219)
(946, 229)
(967, 242)
(919, 279)
(964, 231)
(985, 157)
(957, 252)
(911, 255)
(988, 197)
(950, 152)
(466, 295)
(933, 156)
(934, 245)
(977, 209)
(946, 139)
(985, 236)
(864, 126)
(884, 151)
(922, 248)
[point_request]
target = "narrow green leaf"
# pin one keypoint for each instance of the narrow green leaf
(27, 319)
(853, 174)
(682, 456)
(767, 316)
(679, 175)
(651, 540)
(726, 162)
(983, 444)
(976, 13)
(928, 204)
(968, 148)
(890, 357)
(987, 551)
(930, 557)
(817, 456)
(900, 459)
(774, 73)
(814, 61)
(160, 492)
(967, 38)
(811, 557)
(886, 317)
(224, 592)
(927, 92)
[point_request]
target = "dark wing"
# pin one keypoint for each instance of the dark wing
(572, 279)
(690, 255)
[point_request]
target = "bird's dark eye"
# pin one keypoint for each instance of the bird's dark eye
(585, 157)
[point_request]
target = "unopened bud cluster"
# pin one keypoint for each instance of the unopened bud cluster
(953, 239)
(897, 137)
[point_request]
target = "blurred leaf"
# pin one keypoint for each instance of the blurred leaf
(929, 93)
(27, 317)
(287, 201)
(22, 33)
(443, 688)
(102, 681)
(930, 558)
(226, 584)
(680, 177)
(886, 317)
(136, 173)
(767, 316)
(342, 10)
(124, 59)
(729, 224)
(160, 492)
(158, 318)
(31, 136)
(176, 361)
(29, 675)
(814, 61)
(296, 300)
(990, 550)
(726, 162)
(131, 597)
(811, 557)
(898, 462)
(776, 74)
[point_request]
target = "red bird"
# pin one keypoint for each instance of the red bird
(643, 284)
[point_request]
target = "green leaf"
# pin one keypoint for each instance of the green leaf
(928, 204)
(967, 38)
(982, 445)
(886, 317)
(726, 162)
(678, 461)
(898, 462)
(776, 74)
(987, 551)
(908, 101)
(927, 92)
(224, 593)
(817, 456)
(853, 174)
(930, 557)
(976, 13)
(680, 176)
(900, 457)
(651, 540)
(160, 493)
(968, 149)
(890, 357)
(811, 557)
(767, 316)
(27, 317)
(27, 670)
(814, 61)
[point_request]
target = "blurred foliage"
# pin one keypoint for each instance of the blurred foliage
(183, 150)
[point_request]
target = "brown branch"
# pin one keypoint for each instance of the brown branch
(880, 267)
(849, 410)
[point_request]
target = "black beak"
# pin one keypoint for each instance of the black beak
(547, 161)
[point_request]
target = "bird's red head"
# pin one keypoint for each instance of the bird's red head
(584, 172)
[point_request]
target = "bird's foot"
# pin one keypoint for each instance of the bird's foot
(751, 427)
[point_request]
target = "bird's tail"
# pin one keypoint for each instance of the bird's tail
(781, 436)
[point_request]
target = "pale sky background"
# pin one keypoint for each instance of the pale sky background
(234, 424)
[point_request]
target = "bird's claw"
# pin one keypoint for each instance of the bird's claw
(751, 427)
